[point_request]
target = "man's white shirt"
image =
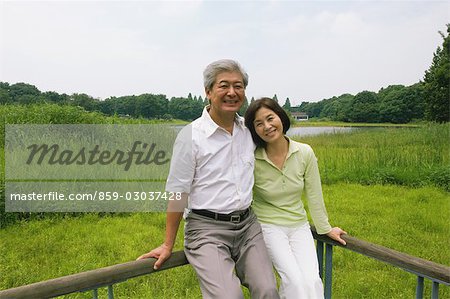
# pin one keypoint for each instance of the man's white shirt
(213, 166)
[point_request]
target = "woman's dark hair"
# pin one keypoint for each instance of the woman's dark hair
(269, 104)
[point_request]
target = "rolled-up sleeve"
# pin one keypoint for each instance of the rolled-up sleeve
(182, 164)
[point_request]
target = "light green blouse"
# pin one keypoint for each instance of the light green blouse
(277, 193)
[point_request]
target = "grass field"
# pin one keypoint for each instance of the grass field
(386, 186)
(392, 216)
(401, 156)
(51, 114)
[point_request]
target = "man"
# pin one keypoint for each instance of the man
(212, 165)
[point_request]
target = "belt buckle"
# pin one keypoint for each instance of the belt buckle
(235, 218)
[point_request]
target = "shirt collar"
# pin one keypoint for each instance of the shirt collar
(210, 126)
(261, 154)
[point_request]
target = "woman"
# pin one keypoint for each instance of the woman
(284, 170)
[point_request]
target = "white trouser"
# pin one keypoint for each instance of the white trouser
(294, 257)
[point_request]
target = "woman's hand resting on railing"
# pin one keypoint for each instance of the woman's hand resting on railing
(335, 233)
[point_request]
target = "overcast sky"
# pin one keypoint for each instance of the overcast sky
(303, 50)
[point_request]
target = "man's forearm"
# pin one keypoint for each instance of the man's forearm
(175, 211)
(172, 223)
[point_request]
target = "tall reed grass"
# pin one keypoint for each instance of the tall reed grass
(402, 156)
(48, 114)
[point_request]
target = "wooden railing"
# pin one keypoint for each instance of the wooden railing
(423, 269)
(108, 276)
(92, 280)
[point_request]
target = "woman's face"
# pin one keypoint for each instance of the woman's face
(268, 125)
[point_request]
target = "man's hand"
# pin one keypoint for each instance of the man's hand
(162, 253)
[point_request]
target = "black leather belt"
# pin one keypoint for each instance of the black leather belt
(232, 217)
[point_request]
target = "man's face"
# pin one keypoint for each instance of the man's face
(228, 92)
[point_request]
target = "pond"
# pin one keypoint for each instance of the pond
(308, 131)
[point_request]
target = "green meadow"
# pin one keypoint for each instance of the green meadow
(401, 156)
(401, 218)
(388, 186)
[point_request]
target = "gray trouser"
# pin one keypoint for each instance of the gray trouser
(216, 248)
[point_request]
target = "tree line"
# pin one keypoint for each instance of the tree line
(146, 105)
(393, 104)
(426, 100)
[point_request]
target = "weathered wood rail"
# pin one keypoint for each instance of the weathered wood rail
(427, 269)
(93, 279)
(108, 276)
(437, 273)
